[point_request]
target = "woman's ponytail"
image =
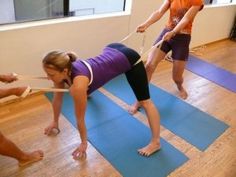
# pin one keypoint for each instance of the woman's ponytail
(72, 56)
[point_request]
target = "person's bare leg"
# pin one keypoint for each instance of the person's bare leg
(154, 123)
(8, 148)
(177, 75)
(17, 91)
(154, 58)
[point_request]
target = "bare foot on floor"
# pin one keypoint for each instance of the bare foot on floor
(183, 94)
(133, 108)
(31, 158)
(149, 149)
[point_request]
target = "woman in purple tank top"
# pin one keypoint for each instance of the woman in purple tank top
(85, 76)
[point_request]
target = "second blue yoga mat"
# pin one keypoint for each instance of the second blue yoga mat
(196, 127)
(213, 73)
(117, 136)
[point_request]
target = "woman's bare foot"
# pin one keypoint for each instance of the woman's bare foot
(134, 108)
(183, 94)
(31, 158)
(149, 149)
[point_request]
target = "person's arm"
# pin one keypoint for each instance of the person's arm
(154, 17)
(56, 105)
(79, 93)
(188, 17)
(7, 78)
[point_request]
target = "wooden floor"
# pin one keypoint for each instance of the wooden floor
(23, 121)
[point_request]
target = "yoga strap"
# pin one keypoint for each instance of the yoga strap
(90, 70)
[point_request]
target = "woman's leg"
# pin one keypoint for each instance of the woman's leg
(138, 81)
(180, 52)
(157, 54)
(154, 124)
(177, 75)
(153, 60)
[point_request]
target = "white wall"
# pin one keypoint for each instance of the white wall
(22, 48)
(213, 24)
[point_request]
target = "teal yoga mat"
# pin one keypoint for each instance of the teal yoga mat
(193, 125)
(117, 136)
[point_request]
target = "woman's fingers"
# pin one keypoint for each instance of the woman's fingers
(51, 131)
(80, 152)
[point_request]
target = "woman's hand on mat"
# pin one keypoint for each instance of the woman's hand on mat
(52, 129)
(80, 152)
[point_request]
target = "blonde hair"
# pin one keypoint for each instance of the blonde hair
(59, 61)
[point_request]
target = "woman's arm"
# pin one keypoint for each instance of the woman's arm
(154, 17)
(79, 93)
(188, 17)
(8, 78)
(56, 105)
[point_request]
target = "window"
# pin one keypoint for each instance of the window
(12, 11)
(219, 1)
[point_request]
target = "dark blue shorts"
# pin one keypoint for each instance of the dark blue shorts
(179, 45)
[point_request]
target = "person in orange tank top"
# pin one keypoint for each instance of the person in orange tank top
(176, 38)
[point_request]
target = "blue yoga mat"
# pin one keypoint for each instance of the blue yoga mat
(193, 125)
(213, 73)
(117, 136)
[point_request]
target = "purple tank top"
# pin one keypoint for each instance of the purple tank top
(105, 67)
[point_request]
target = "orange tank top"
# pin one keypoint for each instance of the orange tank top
(178, 9)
